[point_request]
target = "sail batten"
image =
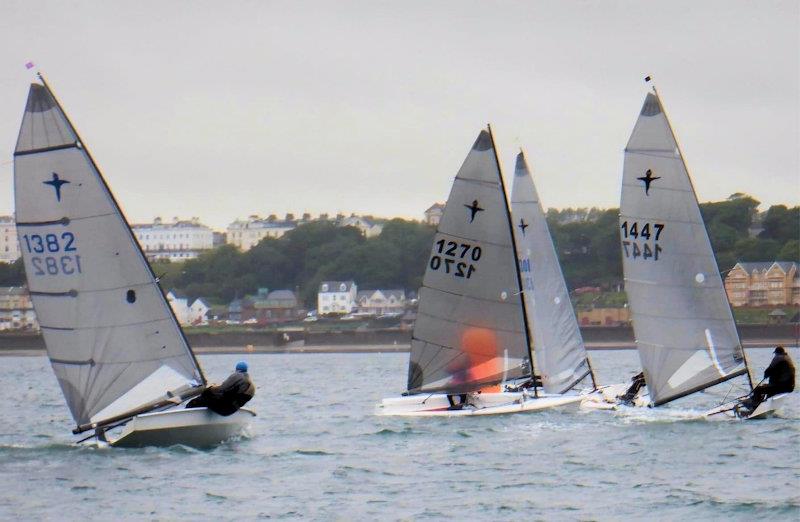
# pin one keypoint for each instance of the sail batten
(558, 347)
(685, 332)
(105, 321)
(470, 331)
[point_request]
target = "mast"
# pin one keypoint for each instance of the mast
(516, 266)
(713, 252)
(136, 244)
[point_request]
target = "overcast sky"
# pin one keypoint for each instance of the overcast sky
(225, 109)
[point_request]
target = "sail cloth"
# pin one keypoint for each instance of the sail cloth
(111, 337)
(685, 333)
(558, 346)
(470, 330)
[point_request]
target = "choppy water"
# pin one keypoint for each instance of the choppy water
(317, 451)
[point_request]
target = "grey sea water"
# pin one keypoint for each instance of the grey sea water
(317, 451)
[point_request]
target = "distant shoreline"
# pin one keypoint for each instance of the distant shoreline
(373, 348)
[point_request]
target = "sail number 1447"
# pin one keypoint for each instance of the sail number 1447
(637, 238)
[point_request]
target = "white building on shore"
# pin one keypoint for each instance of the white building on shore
(16, 309)
(336, 297)
(381, 302)
(244, 234)
(434, 214)
(367, 226)
(198, 312)
(177, 241)
(9, 246)
(194, 314)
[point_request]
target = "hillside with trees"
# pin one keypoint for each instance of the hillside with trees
(587, 242)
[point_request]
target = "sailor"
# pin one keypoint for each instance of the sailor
(780, 373)
(226, 398)
(535, 382)
(462, 401)
(461, 373)
(637, 383)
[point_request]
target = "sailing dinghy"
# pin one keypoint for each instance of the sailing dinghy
(560, 354)
(684, 328)
(115, 346)
(471, 335)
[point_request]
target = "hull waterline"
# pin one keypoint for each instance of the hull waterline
(196, 427)
(437, 405)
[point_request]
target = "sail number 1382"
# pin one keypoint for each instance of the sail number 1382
(67, 263)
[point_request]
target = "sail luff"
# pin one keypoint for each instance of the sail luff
(133, 239)
(528, 336)
(713, 253)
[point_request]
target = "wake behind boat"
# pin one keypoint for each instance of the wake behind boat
(112, 338)
(471, 337)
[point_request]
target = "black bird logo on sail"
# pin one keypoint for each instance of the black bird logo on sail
(522, 226)
(473, 209)
(56, 183)
(647, 179)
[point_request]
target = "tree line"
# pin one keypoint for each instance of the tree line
(587, 243)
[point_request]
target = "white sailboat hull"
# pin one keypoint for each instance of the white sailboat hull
(195, 427)
(765, 410)
(437, 405)
(769, 407)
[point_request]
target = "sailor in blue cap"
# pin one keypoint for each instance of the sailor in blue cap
(229, 396)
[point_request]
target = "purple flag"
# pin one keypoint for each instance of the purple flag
(29, 65)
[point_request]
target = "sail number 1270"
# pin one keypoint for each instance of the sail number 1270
(455, 258)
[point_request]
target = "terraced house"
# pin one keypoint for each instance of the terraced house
(381, 302)
(768, 283)
(180, 240)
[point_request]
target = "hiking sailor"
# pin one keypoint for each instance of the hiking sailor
(637, 383)
(226, 398)
(780, 373)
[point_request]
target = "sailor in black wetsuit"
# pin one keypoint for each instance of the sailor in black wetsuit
(780, 373)
(637, 383)
(229, 396)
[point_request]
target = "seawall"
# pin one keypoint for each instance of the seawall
(596, 337)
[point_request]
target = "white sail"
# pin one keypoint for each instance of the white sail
(561, 358)
(111, 337)
(470, 330)
(685, 333)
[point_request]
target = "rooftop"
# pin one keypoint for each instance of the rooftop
(336, 286)
(175, 223)
(763, 266)
(13, 290)
(397, 293)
